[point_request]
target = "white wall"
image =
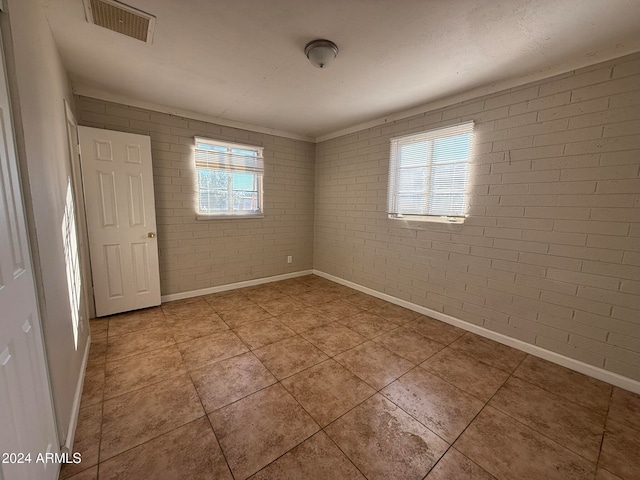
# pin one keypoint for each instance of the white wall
(39, 87)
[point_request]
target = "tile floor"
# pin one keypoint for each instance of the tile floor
(307, 379)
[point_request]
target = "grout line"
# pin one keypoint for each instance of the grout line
(558, 442)
(604, 430)
(376, 391)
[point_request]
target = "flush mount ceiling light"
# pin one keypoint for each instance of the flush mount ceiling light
(321, 52)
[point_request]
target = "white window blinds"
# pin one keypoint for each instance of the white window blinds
(229, 178)
(428, 172)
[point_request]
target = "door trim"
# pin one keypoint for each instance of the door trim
(81, 218)
(75, 409)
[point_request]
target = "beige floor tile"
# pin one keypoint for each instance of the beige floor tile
(88, 474)
(303, 320)
(190, 328)
(621, 451)
(317, 458)
(245, 315)
(410, 345)
(441, 407)
(315, 281)
(86, 441)
(211, 349)
(138, 371)
(364, 301)
(136, 320)
(261, 293)
(266, 332)
(466, 373)
(374, 364)
(317, 296)
(281, 305)
(99, 328)
(185, 309)
(184, 301)
(97, 353)
(337, 309)
(367, 324)
(333, 338)
(625, 408)
(327, 391)
(395, 313)
(93, 388)
(507, 449)
(577, 428)
(133, 418)
(229, 380)
(573, 386)
(602, 474)
(256, 430)
(189, 452)
(137, 342)
(292, 286)
(455, 466)
(228, 301)
(385, 443)
(495, 354)
(289, 356)
(142, 416)
(435, 329)
(337, 289)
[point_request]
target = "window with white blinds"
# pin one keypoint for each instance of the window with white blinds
(428, 173)
(229, 179)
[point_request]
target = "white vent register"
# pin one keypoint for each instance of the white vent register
(120, 18)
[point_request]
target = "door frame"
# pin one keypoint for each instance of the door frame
(81, 218)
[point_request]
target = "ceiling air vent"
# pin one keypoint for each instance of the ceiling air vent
(120, 18)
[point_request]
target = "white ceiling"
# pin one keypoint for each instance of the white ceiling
(243, 60)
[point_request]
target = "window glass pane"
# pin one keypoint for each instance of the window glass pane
(447, 204)
(243, 181)
(213, 190)
(451, 149)
(413, 179)
(208, 146)
(412, 204)
(245, 194)
(246, 153)
(449, 177)
(245, 201)
(413, 154)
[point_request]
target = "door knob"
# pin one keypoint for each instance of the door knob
(151, 235)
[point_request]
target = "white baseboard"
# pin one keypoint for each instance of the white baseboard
(233, 286)
(75, 410)
(590, 370)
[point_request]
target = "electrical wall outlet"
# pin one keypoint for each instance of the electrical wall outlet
(289, 259)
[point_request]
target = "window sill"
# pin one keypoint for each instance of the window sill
(429, 218)
(228, 217)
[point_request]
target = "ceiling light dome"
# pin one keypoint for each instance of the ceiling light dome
(321, 52)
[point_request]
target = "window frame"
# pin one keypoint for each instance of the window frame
(257, 170)
(428, 138)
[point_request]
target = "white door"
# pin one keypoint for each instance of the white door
(119, 204)
(27, 425)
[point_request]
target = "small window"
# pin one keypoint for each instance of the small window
(428, 174)
(229, 179)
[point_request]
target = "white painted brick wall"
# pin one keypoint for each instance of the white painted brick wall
(196, 254)
(551, 252)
